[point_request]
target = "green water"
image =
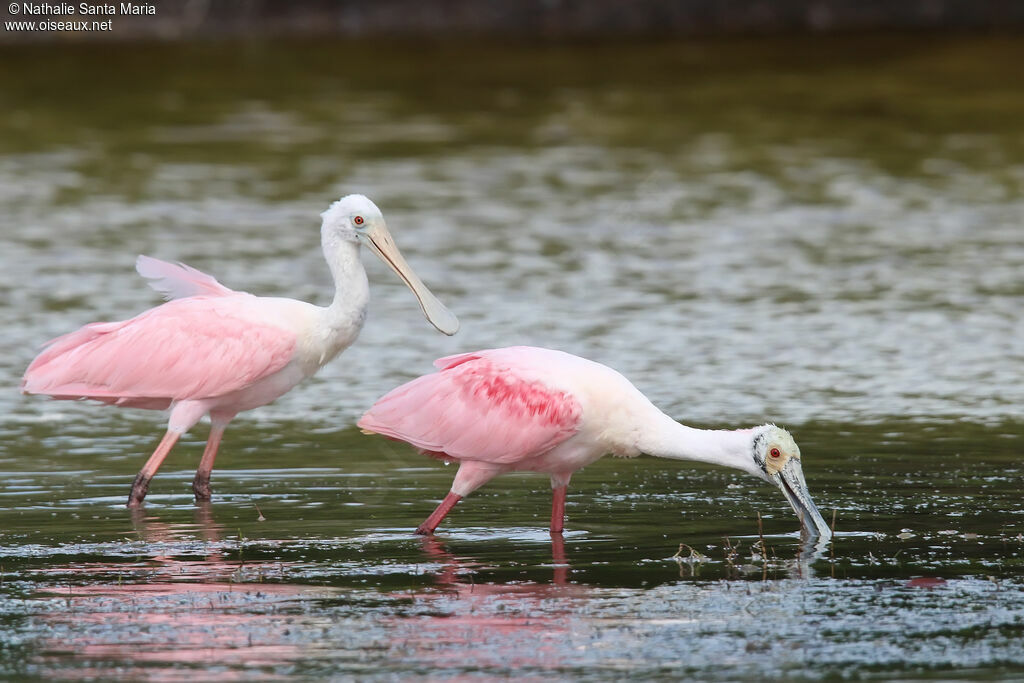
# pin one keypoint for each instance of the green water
(823, 233)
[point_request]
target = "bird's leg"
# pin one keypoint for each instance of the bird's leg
(558, 508)
(437, 515)
(201, 484)
(141, 484)
(558, 558)
(471, 476)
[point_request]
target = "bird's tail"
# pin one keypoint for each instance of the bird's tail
(49, 369)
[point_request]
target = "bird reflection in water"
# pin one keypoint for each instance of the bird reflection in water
(512, 625)
(168, 610)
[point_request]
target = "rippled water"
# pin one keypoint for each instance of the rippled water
(823, 234)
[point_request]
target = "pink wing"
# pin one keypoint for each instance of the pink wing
(477, 407)
(178, 281)
(185, 349)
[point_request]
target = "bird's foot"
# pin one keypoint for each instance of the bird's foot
(424, 530)
(201, 488)
(139, 489)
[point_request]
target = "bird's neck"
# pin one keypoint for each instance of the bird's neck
(663, 437)
(351, 288)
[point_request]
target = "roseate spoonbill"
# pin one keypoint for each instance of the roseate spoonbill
(212, 350)
(526, 408)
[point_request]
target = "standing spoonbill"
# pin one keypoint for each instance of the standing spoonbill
(525, 408)
(212, 350)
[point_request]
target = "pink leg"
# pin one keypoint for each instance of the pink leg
(558, 509)
(141, 484)
(561, 573)
(471, 476)
(201, 484)
(437, 515)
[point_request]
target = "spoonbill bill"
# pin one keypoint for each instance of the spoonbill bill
(212, 350)
(526, 408)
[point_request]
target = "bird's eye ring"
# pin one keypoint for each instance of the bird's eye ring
(358, 220)
(774, 452)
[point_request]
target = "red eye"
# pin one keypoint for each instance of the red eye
(774, 452)
(358, 220)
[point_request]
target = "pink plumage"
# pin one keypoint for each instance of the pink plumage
(479, 406)
(188, 349)
(177, 280)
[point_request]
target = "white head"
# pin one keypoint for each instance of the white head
(350, 215)
(776, 459)
(355, 218)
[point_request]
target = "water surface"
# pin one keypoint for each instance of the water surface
(824, 234)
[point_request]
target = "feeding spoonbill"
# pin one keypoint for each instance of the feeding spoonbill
(212, 350)
(526, 408)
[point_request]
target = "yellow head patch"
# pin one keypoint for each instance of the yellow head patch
(779, 448)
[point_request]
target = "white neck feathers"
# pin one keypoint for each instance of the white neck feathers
(663, 437)
(351, 288)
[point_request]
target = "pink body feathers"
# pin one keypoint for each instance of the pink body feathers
(477, 407)
(200, 348)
